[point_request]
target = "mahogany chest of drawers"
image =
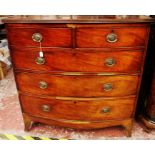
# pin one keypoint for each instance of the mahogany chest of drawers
(78, 71)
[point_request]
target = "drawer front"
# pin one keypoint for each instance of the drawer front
(79, 86)
(111, 37)
(93, 110)
(78, 60)
(55, 37)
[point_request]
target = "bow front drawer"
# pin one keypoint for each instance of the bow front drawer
(78, 86)
(72, 60)
(111, 37)
(55, 37)
(90, 110)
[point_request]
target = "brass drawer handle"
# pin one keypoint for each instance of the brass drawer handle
(110, 62)
(37, 37)
(43, 85)
(105, 110)
(45, 108)
(40, 61)
(108, 86)
(111, 38)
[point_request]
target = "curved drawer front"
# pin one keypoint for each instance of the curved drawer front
(79, 86)
(78, 60)
(90, 110)
(56, 37)
(111, 37)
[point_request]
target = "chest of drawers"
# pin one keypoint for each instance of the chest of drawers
(78, 71)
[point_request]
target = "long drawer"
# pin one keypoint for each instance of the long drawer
(111, 37)
(90, 110)
(55, 37)
(79, 85)
(78, 60)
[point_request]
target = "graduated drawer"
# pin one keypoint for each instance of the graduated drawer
(73, 109)
(111, 37)
(72, 60)
(55, 37)
(78, 86)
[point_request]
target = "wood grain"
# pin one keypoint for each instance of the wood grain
(75, 72)
(126, 123)
(96, 37)
(78, 19)
(78, 60)
(78, 110)
(77, 86)
(56, 37)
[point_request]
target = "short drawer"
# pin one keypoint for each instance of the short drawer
(78, 60)
(77, 85)
(55, 37)
(111, 37)
(73, 109)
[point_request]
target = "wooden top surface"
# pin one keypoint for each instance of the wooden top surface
(78, 19)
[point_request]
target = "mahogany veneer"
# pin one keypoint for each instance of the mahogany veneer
(94, 108)
(78, 86)
(96, 37)
(78, 71)
(79, 60)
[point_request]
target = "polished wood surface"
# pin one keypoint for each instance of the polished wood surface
(84, 73)
(96, 37)
(78, 19)
(85, 37)
(126, 123)
(56, 37)
(91, 110)
(78, 86)
(73, 26)
(78, 60)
